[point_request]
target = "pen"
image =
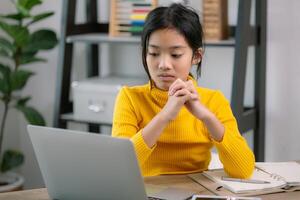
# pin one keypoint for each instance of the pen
(244, 180)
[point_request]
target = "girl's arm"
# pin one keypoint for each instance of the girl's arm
(214, 126)
(126, 121)
(155, 127)
(234, 152)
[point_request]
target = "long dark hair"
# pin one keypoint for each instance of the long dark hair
(184, 19)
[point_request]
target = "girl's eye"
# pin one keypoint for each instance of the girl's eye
(153, 54)
(176, 55)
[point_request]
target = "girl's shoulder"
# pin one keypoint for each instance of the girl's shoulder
(211, 96)
(132, 90)
(136, 88)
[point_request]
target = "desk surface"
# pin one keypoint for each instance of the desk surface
(180, 181)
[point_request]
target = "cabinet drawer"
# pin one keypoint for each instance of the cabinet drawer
(94, 99)
(94, 107)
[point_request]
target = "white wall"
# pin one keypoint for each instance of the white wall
(283, 72)
(283, 98)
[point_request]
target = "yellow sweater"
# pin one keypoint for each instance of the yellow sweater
(184, 146)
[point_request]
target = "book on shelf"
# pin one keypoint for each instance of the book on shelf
(278, 176)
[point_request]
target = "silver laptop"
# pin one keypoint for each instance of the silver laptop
(78, 165)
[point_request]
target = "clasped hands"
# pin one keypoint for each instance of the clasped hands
(183, 93)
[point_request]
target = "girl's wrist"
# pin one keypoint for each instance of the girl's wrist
(214, 126)
(163, 117)
(204, 114)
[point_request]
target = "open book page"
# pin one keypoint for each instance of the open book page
(240, 187)
(287, 171)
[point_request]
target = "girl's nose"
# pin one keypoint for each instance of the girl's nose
(164, 63)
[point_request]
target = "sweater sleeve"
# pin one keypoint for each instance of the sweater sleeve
(125, 124)
(234, 152)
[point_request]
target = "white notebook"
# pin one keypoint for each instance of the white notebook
(280, 175)
(286, 171)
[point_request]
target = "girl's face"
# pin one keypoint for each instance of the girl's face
(169, 57)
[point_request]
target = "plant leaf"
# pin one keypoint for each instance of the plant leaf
(30, 58)
(19, 78)
(23, 101)
(39, 17)
(24, 6)
(26, 55)
(4, 79)
(6, 45)
(22, 10)
(11, 159)
(18, 33)
(31, 115)
(4, 70)
(4, 53)
(16, 16)
(4, 88)
(41, 40)
(28, 4)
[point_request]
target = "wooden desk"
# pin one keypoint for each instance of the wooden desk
(180, 181)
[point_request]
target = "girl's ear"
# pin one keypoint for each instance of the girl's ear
(197, 56)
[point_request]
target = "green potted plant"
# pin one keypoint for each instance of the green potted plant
(19, 47)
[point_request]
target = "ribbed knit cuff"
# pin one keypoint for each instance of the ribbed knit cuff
(227, 137)
(141, 148)
(236, 156)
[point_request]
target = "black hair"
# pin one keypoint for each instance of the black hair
(183, 19)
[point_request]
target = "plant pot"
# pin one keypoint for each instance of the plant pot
(11, 181)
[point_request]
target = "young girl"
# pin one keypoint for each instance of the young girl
(172, 122)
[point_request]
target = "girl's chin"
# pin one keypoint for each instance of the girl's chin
(163, 86)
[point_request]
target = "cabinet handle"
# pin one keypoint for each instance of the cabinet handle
(96, 107)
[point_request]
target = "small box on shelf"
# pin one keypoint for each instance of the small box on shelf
(215, 19)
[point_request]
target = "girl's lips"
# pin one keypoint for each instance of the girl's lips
(166, 77)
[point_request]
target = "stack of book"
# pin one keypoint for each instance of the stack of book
(127, 18)
(215, 19)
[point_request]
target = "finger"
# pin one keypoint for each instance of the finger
(189, 83)
(190, 86)
(182, 92)
(177, 81)
(175, 88)
(185, 95)
(177, 85)
(174, 83)
(194, 96)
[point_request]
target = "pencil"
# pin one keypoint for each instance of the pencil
(244, 180)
